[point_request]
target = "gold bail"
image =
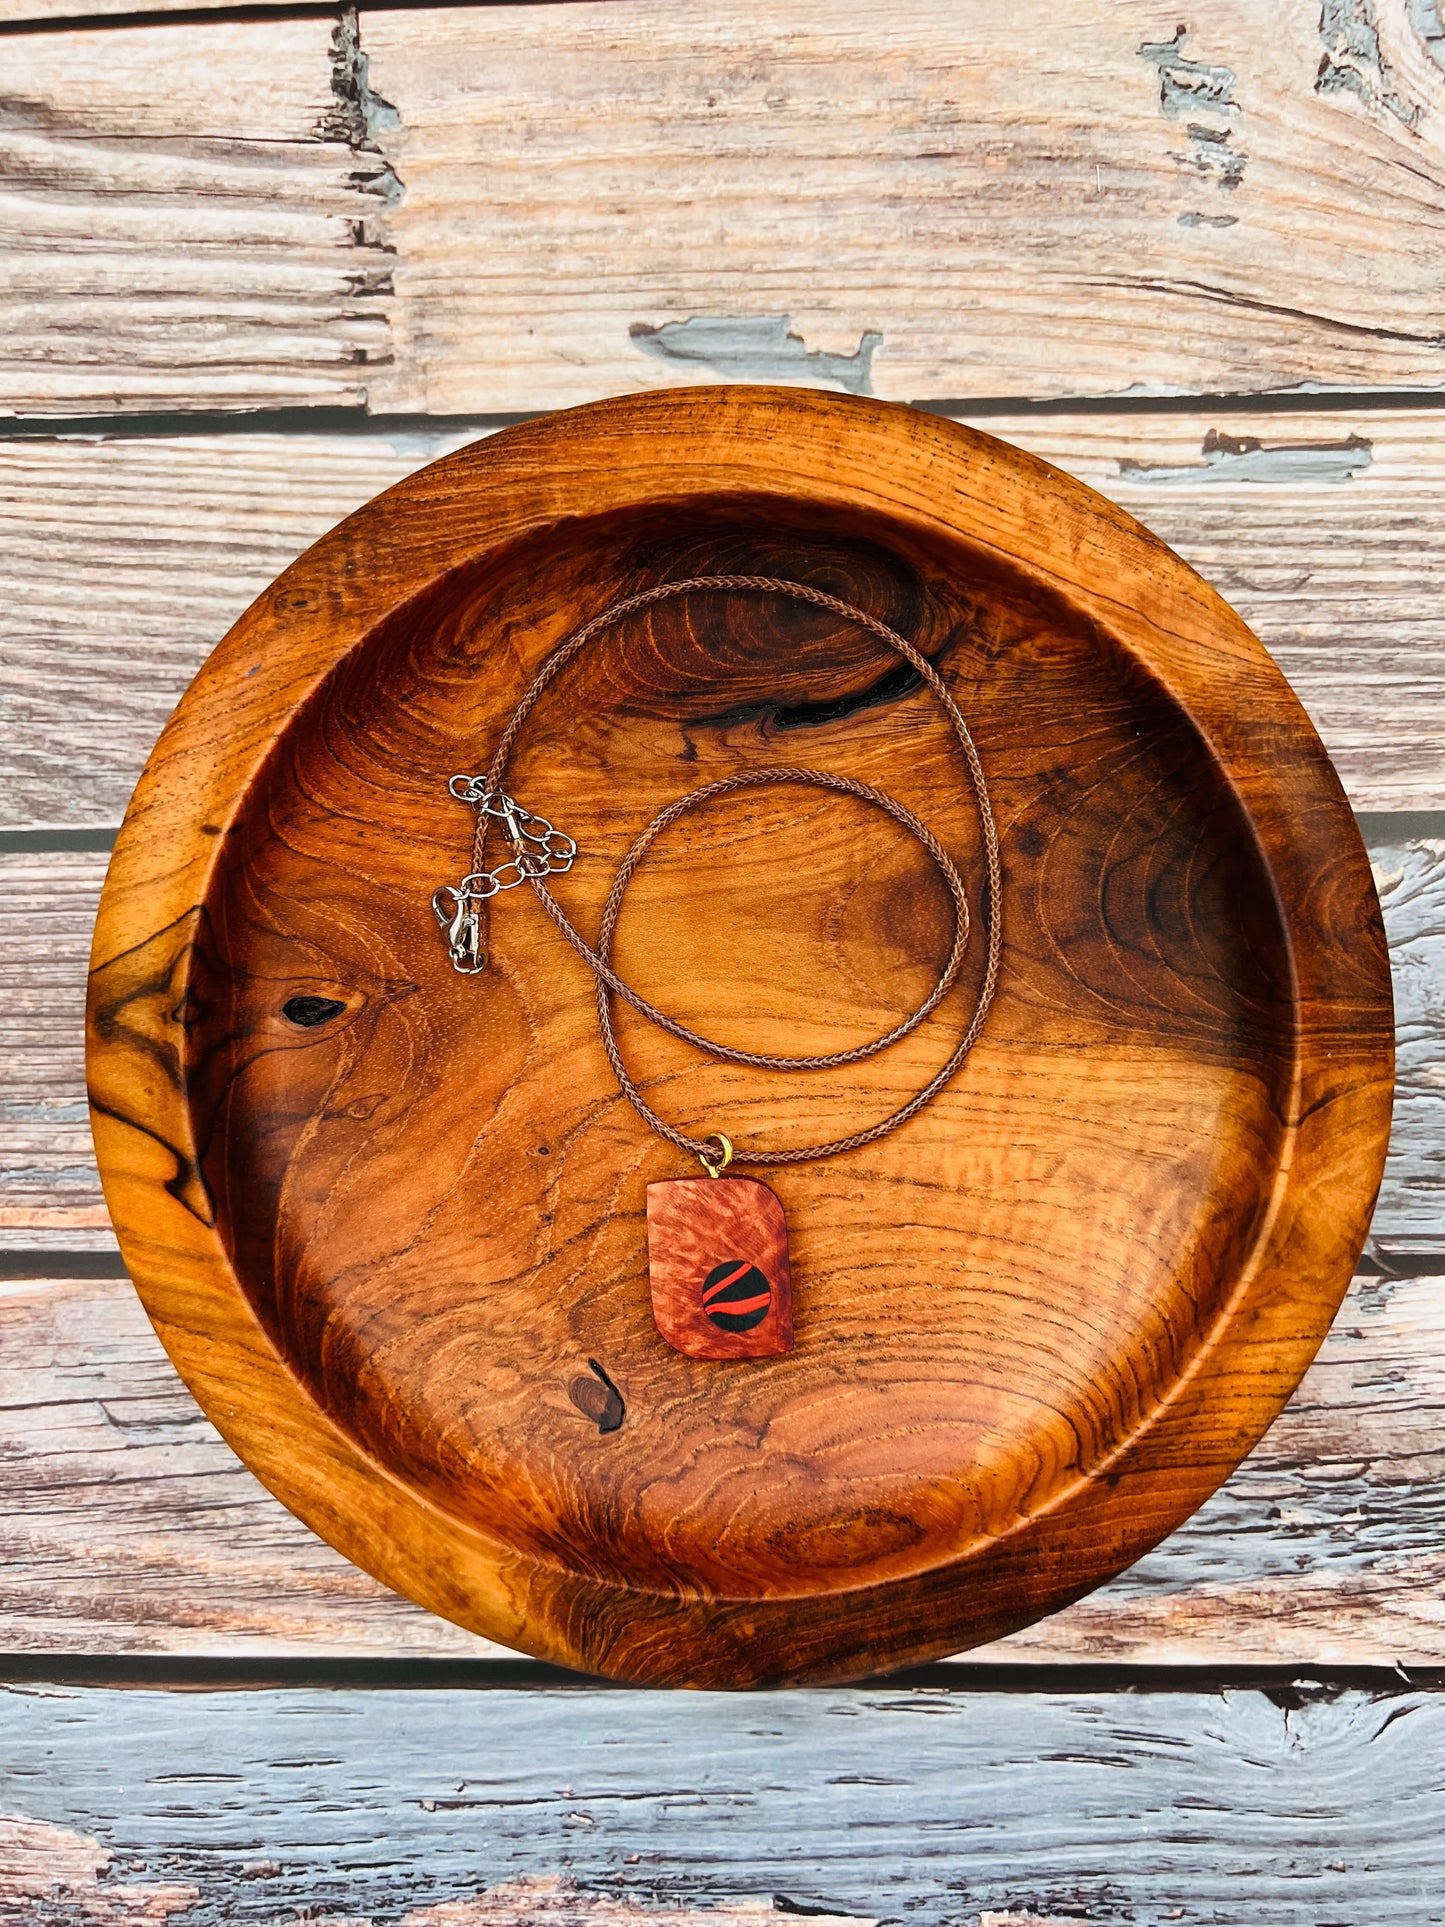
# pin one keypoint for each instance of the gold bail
(716, 1166)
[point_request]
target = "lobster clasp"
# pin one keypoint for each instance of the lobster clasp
(461, 923)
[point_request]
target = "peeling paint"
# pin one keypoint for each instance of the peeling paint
(1352, 62)
(550, 1900)
(1209, 220)
(1189, 89)
(1244, 458)
(1186, 85)
(1211, 155)
(50, 1873)
(1425, 19)
(757, 348)
(360, 116)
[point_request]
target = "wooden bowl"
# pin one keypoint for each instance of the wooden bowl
(399, 1254)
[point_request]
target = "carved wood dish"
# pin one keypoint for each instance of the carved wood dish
(390, 1221)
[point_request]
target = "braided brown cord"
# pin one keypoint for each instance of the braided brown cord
(609, 983)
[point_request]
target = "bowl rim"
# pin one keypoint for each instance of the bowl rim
(674, 446)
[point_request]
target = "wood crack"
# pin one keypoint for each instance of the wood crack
(1232, 298)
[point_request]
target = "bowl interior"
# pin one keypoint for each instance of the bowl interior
(434, 1193)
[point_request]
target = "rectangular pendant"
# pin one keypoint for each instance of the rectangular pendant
(717, 1258)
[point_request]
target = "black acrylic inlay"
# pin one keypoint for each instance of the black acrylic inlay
(736, 1296)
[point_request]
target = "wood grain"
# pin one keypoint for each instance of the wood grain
(49, 1189)
(123, 561)
(1411, 882)
(129, 1527)
(948, 1809)
(689, 1228)
(123, 564)
(50, 1195)
(179, 236)
(1045, 199)
(1027, 1278)
(42, 1865)
(516, 207)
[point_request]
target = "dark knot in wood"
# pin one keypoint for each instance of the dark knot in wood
(310, 1011)
(598, 1399)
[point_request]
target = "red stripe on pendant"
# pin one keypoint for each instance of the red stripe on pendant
(744, 1264)
(735, 1307)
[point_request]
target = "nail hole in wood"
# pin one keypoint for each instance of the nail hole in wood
(310, 1011)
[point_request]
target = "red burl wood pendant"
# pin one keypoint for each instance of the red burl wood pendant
(717, 1255)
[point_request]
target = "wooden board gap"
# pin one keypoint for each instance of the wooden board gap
(321, 420)
(83, 836)
(198, 1673)
(19, 1265)
(259, 10)
(1400, 826)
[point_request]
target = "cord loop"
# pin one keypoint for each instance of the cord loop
(539, 851)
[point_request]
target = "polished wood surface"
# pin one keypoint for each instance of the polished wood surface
(717, 1267)
(1034, 1329)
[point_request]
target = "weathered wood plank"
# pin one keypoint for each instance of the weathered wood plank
(20, 13)
(921, 1805)
(1064, 197)
(1324, 1548)
(69, 1877)
(122, 561)
(187, 220)
(1411, 1213)
(127, 1526)
(1326, 533)
(49, 1186)
(1059, 197)
(50, 1191)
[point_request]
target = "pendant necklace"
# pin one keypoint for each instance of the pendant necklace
(717, 1245)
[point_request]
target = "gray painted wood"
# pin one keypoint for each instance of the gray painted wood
(58, 1875)
(906, 1805)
